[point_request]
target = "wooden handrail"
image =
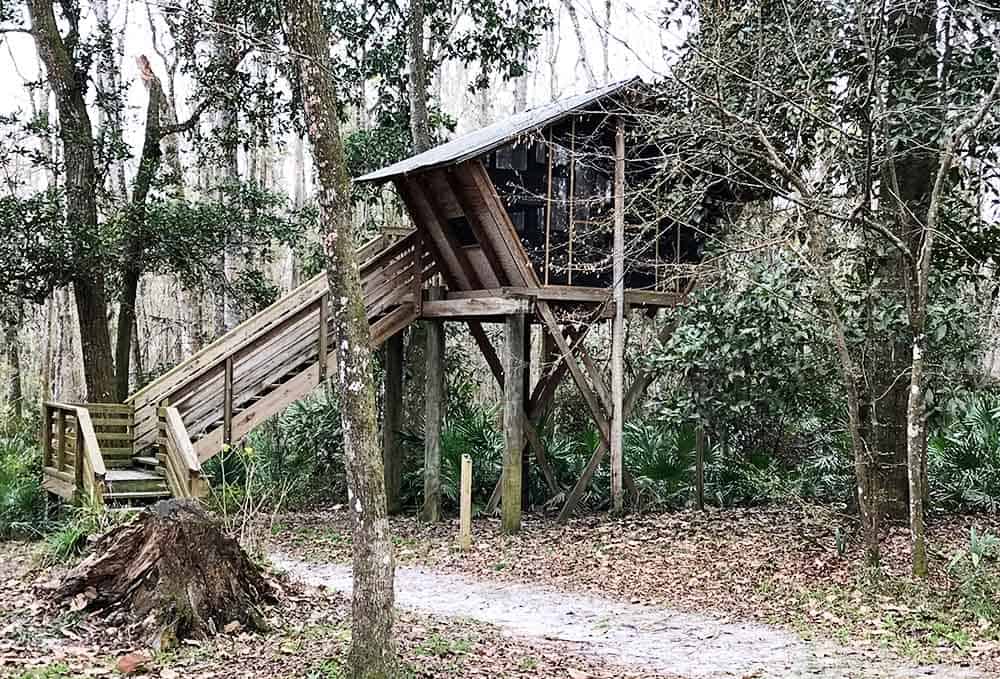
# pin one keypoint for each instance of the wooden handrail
(180, 461)
(225, 347)
(177, 431)
(89, 470)
(91, 449)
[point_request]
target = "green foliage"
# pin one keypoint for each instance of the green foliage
(750, 360)
(69, 537)
(963, 458)
(296, 459)
(469, 428)
(975, 570)
(22, 499)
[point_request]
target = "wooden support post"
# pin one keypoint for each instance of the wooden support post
(392, 422)
(60, 440)
(465, 505)
(699, 451)
(618, 325)
(526, 425)
(513, 423)
(46, 438)
(324, 335)
(434, 416)
(227, 404)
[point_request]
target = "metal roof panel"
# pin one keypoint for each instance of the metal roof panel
(487, 138)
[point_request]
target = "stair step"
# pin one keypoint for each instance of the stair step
(137, 495)
(149, 461)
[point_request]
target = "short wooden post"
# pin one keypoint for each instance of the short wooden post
(227, 404)
(513, 423)
(324, 335)
(392, 421)
(699, 451)
(465, 505)
(618, 326)
(434, 416)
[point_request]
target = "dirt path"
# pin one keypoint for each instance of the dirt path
(646, 637)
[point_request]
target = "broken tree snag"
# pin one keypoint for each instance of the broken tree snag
(513, 423)
(174, 574)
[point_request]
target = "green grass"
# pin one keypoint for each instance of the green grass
(54, 671)
(441, 646)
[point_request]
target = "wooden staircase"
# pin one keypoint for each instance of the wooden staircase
(153, 446)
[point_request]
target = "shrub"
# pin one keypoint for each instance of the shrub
(963, 458)
(68, 538)
(975, 569)
(22, 499)
(296, 458)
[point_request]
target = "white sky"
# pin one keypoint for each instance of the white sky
(635, 46)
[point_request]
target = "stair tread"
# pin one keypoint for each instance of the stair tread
(145, 460)
(136, 494)
(132, 474)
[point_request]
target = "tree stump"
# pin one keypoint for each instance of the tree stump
(174, 573)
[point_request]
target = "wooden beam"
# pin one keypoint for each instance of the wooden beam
(227, 404)
(324, 335)
(618, 324)
(465, 506)
(503, 268)
(699, 452)
(513, 423)
(475, 307)
(434, 417)
(454, 264)
(589, 396)
(533, 439)
(629, 402)
(392, 422)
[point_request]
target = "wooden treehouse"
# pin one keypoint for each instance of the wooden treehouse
(532, 222)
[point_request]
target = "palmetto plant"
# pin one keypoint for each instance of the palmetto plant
(963, 459)
(22, 499)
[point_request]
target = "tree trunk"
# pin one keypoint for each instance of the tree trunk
(15, 395)
(69, 86)
(373, 652)
(135, 234)
(419, 127)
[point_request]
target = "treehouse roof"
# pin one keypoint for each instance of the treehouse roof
(486, 139)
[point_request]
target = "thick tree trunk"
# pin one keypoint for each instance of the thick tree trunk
(373, 652)
(69, 87)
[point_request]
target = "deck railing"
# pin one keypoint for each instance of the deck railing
(279, 355)
(71, 453)
(178, 458)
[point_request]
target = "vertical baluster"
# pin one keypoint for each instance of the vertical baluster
(324, 334)
(227, 404)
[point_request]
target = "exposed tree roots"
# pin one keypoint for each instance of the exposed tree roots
(175, 574)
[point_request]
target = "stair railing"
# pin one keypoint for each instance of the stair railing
(71, 453)
(178, 458)
(279, 355)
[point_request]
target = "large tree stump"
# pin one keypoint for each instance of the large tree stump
(173, 573)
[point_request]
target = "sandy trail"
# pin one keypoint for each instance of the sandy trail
(642, 637)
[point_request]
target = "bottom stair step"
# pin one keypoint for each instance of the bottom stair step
(137, 495)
